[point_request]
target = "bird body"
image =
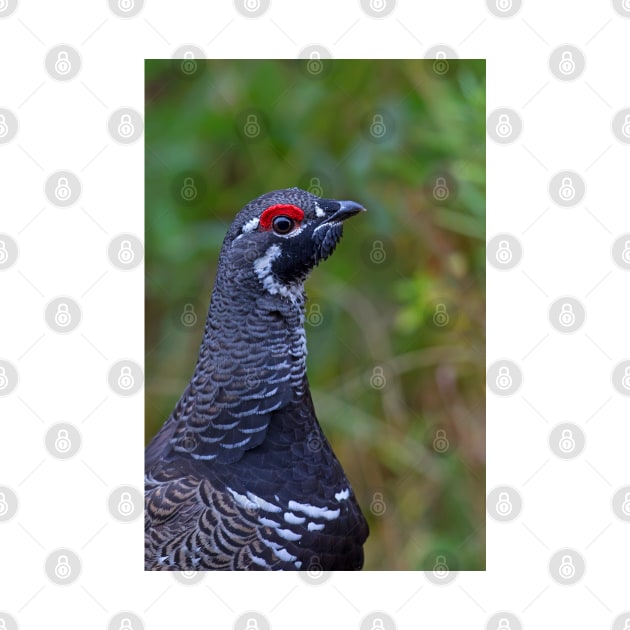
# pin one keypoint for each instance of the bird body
(241, 476)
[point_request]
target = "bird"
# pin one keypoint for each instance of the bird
(241, 475)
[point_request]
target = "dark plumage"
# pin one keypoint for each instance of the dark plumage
(241, 476)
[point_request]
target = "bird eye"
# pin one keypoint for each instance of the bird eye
(282, 224)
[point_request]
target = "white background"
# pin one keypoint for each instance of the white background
(63, 378)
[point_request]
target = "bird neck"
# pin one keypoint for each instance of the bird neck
(252, 332)
(252, 364)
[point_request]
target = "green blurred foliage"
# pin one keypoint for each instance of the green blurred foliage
(396, 318)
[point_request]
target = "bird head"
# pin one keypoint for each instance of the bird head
(278, 238)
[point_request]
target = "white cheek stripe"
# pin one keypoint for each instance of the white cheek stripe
(250, 226)
(262, 265)
(327, 224)
(262, 268)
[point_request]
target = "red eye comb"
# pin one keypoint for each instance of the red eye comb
(286, 209)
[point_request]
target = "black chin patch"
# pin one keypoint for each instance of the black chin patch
(301, 253)
(325, 240)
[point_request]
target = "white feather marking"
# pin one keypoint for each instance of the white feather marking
(259, 561)
(287, 534)
(281, 552)
(326, 224)
(284, 555)
(289, 517)
(236, 445)
(343, 494)
(242, 500)
(250, 226)
(314, 511)
(315, 527)
(262, 267)
(265, 505)
(254, 430)
(319, 212)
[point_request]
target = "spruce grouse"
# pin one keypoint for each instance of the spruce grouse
(241, 476)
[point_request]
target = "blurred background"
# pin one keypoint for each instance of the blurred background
(395, 318)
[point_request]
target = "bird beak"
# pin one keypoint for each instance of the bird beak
(346, 210)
